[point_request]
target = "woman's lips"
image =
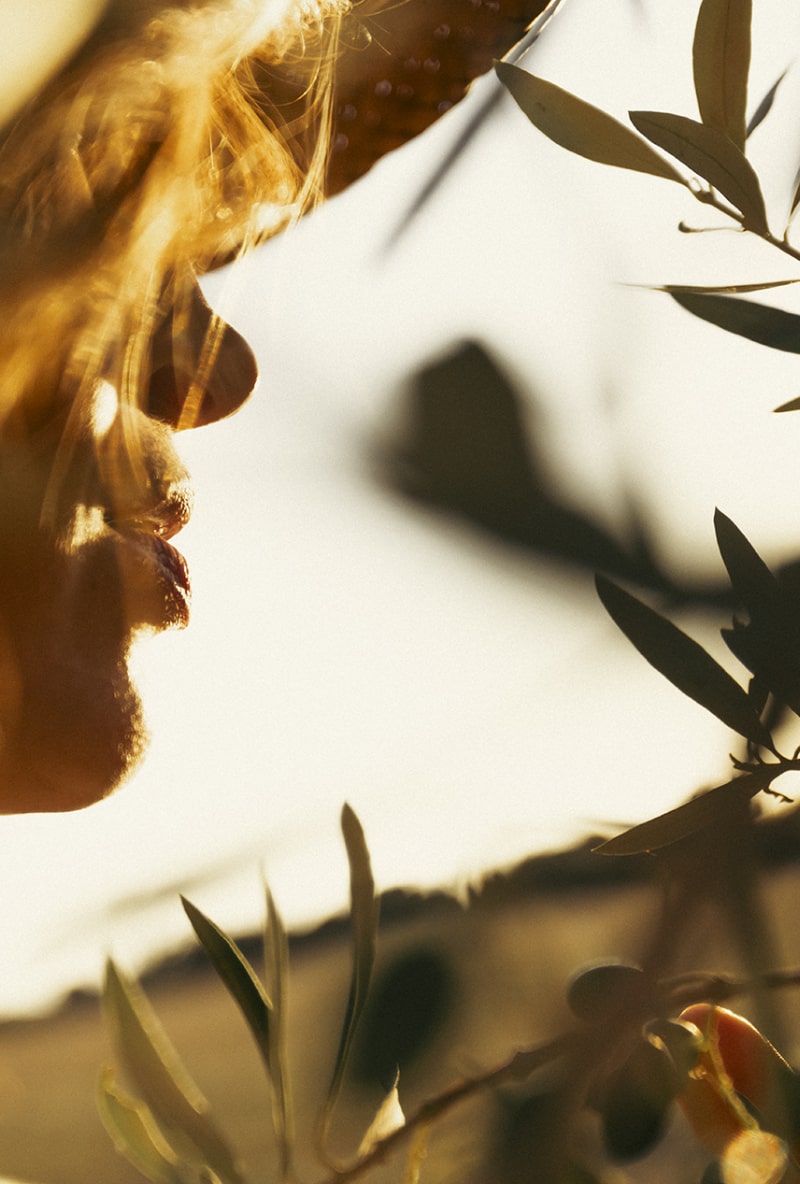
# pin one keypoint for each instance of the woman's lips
(173, 570)
(154, 576)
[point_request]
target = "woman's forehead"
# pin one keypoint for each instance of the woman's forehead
(36, 38)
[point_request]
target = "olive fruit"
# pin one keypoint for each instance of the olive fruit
(738, 1074)
(636, 1100)
(609, 990)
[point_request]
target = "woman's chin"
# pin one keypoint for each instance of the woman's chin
(81, 754)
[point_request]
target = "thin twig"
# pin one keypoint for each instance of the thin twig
(679, 992)
(518, 1068)
(709, 197)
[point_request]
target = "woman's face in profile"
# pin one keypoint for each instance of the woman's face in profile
(139, 152)
(88, 561)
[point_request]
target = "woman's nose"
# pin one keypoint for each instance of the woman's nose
(202, 369)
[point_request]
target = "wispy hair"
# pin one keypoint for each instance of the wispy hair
(156, 154)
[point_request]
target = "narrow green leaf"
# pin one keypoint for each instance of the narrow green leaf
(364, 908)
(707, 809)
(581, 128)
(389, 1118)
(418, 1153)
(722, 289)
(791, 405)
(768, 645)
(711, 155)
(685, 663)
(154, 1066)
(770, 650)
(136, 1134)
(276, 949)
(773, 327)
(721, 60)
(239, 977)
(752, 581)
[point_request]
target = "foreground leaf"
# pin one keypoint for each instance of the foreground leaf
(364, 908)
(636, 1101)
(791, 405)
(136, 1134)
(158, 1073)
(751, 579)
(239, 977)
(685, 663)
(711, 155)
(276, 948)
(723, 289)
(417, 1154)
(581, 128)
(721, 60)
(707, 809)
(390, 1118)
(769, 644)
(770, 650)
(773, 327)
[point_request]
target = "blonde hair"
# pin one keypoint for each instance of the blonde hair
(153, 156)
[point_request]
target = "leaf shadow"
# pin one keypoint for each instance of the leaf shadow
(466, 451)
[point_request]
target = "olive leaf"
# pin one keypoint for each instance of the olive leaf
(684, 662)
(768, 645)
(762, 323)
(707, 809)
(635, 1101)
(581, 128)
(135, 1133)
(791, 405)
(721, 61)
(239, 977)
(388, 1119)
(158, 1073)
(418, 1153)
(364, 909)
(276, 950)
(751, 579)
(721, 289)
(770, 650)
(711, 155)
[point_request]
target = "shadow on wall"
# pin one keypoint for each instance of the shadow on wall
(466, 452)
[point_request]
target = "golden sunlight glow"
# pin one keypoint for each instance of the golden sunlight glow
(105, 406)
